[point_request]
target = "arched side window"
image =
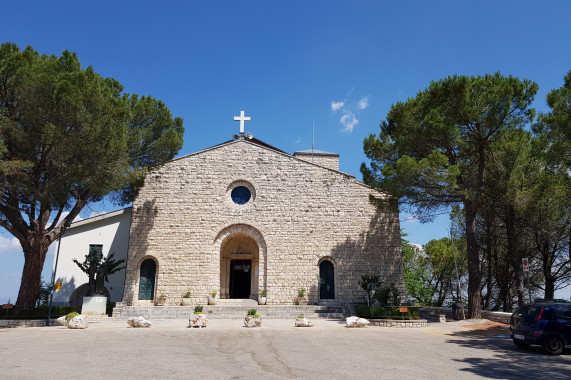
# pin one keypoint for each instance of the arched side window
(147, 279)
(326, 280)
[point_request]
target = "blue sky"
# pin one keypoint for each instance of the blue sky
(289, 64)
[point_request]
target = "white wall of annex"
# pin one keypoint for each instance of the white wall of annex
(112, 233)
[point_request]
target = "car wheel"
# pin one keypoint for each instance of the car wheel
(553, 345)
(521, 344)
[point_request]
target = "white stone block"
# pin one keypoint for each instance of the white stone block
(138, 322)
(356, 322)
(77, 322)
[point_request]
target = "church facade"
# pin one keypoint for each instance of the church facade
(244, 217)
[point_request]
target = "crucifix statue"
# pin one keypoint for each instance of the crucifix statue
(242, 119)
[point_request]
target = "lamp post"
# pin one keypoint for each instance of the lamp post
(65, 226)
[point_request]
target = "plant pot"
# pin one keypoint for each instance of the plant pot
(212, 300)
(253, 321)
(198, 320)
(261, 300)
(160, 301)
(185, 301)
(301, 301)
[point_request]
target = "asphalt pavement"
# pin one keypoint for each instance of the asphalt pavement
(110, 349)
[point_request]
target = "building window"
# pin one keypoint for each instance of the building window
(241, 195)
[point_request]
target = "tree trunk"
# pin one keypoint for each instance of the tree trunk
(474, 273)
(490, 272)
(34, 258)
(514, 254)
(549, 288)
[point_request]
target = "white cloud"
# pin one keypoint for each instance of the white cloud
(349, 122)
(363, 103)
(9, 245)
(298, 141)
(336, 106)
(351, 110)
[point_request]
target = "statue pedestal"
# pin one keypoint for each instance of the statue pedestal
(95, 305)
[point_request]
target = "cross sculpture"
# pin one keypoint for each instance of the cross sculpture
(242, 119)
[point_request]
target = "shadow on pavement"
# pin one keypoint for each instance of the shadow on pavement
(509, 361)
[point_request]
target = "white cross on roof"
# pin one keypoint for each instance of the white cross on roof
(242, 119)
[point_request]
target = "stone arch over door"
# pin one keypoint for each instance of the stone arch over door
(327, 278)
(147, 279)
(242, 250)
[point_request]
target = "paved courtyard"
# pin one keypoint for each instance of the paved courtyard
(110, 349)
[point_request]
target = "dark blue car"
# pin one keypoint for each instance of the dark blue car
(546, 324)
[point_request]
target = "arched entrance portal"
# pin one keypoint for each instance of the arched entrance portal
(239, 267)
(147, 279)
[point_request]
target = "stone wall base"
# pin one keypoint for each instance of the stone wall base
(398, 323)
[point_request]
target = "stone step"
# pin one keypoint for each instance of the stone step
(222, 311)
(236, 302)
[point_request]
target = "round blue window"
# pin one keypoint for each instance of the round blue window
(241, 195)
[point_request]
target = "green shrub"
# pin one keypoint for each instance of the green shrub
(369, 283)
(252, 312)
(301, 292)
(71, 315)
(300, 317)
(198, 309)
(388, 295)
(387, 312)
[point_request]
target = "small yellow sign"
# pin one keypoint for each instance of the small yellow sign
(403, 309)
(57, 285)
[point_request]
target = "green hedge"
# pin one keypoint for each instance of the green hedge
(40, 312)
(387, 312)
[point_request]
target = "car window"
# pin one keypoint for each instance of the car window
(564, 313)
(549, 314)
(527, 313)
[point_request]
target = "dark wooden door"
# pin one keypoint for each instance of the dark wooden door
(326, 280)
(240, 278)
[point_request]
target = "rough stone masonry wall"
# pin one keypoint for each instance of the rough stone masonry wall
(300, 213)
(327, 161)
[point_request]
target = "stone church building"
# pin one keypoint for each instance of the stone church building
(240, 218)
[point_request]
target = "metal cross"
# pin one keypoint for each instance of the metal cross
(242, 119)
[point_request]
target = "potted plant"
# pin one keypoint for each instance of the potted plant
(253, 319)
(75, 320)
(300, 299)
(212, 298)
(301, 321)
(161, 299)
(198, 318)
(262, 297)
(185, 300)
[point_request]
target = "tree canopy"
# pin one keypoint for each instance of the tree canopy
(432, 150)
(69, 136)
